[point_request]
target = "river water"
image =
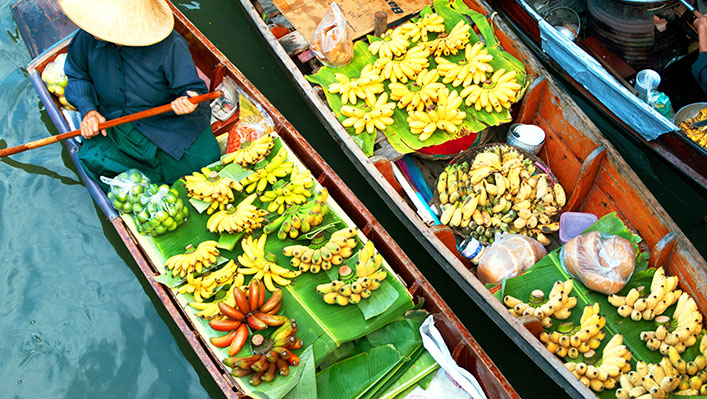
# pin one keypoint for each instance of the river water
(78, 318)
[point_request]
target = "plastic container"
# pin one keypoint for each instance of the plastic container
(527, 137)
(646, 80)
(573, 224)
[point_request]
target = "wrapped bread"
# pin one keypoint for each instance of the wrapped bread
(603, 263)
(509, 256)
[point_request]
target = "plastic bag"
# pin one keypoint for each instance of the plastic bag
(253, 123)
(125, 190)
(162, 210)
(509, 256)
(331, 41)
(56, 80)
(602, 262)
(225, 106)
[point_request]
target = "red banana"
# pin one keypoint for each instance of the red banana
(233, 361)
(231, 312)
(270, 373)
(223, 341)
(255, 323)
(238, 340)
(272, 356)
(271, 320)
(224, 325)
(253, 293)
(255, 380)
(275, 309)
(238, 372)
(261, 295)
(283, 367)
(285, 331)
(261, 365)
(272, 302)
(246, 362)
(241, 300)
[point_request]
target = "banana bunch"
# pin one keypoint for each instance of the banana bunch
(445, 116)
(204, 286)
(472, 69)
(679, 332)
(263, 266)
(208, 186)
(321, 254)
(252, 310)
(418, 94)
(300, 218)
(296, 191)
(404, 67)
(570, 340)
(559, 304)
(352, 286)
(658, 381)
(417, 31)
(274, 356)
(244, 217)
(495, 94)
(450, 43)
(194, 259)
(392, 43)
(251, 152)
(500, 191)
(689, 377)
(211, 310)
(366, 86)
(276, 168)
(608, 371)
(639, 306)
(377, 115)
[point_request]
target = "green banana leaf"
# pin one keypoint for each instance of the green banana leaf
(322, 327)
(306, 387)
(399, 134)
(408, 377)
(549, 269)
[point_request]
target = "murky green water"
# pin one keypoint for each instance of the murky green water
(78, 318)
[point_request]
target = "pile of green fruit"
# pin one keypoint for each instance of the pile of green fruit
(56, 80)
(125, 190)
(161, 210)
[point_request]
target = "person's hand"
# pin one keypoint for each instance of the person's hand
(182, 105)
(89, 124)
(701, 25)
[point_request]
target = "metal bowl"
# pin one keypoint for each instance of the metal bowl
(515, 140)
(687, 112)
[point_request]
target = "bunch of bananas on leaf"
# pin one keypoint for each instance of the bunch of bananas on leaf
(570, 340)
(471, 69)
(352, 286)
(559, 304)
(417, 30)
(270, 173)
(446, 116)
(244, 217)
(451, 43)
(251, 152)
(300, 218)
(494, 94)
(252, 310)
(607, 371)
(204, 286)
(403, 67)
(422, 92)
(296, 191)
(321, 253)
(639, 306)
(211, 310)
(372, 116)
(263, 266)
(392, 43)
(679, 332)
(208, 186)
(366, 87)
(500, 191)
(270, 356)
(196, 259)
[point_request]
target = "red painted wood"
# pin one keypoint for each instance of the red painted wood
(587, 176)
(662, 251)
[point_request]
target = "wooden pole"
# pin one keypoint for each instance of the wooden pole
(380, 23)
(105, 125)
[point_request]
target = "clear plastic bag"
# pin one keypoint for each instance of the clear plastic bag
(56, 80)
(509, 256)
(253, 123)
(125, 190)
(162, 210)
(331, 41)
(602, 262)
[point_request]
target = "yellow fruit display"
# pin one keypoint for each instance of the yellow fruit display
(269, 174)
(404, 67)
(365, 87)
(495, 94)
(558, 304)
(570, 340)
(422, 92)
(445, 116)
(193, 259)
(641, 305)
(679, 331)
(252, 152)
(418, 30)
(374, 116)
(609, 371)
(244, 217)
(262, 266)
(451, 43)
(392, 43)
(321, 254)
(208, 186)
(472, 69)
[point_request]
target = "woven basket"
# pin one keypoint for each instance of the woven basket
(469, 156)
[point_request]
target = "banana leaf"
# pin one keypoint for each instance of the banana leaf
(549, 269)
(408, 377)
(306, 387)
(398, 134)
(423, 383)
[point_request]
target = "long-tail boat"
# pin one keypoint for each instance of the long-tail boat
(42, 23)
(596, 177)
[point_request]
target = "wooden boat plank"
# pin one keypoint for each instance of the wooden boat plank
(42, 23)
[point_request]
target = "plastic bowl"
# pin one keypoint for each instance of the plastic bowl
(573, 224)
(527, 137)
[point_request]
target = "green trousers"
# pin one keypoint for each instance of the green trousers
(125, 147)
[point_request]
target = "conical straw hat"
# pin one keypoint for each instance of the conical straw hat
(123, 22)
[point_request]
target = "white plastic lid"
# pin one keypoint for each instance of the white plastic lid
(530, 134)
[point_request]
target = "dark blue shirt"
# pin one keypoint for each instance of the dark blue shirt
(121, 80)
(699, 70)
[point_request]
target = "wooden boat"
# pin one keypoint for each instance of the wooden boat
(597, 177)
(618, 98)
(213, 67)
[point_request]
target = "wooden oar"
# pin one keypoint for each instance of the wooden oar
(107, 124)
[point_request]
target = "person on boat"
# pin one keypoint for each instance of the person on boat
(127, 58)
(699, 68)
